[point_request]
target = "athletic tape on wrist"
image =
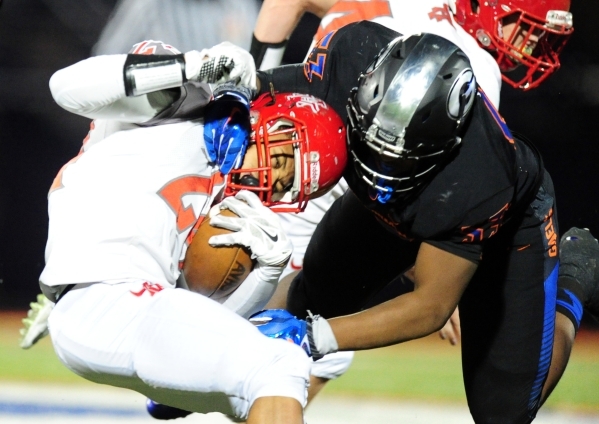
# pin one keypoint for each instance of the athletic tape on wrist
(267, 55)
(321, 336)
(147, 73)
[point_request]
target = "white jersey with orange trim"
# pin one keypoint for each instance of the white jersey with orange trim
(124, 207)
(412, 17)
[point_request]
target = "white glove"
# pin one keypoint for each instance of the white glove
(257, 228)
(221, 63)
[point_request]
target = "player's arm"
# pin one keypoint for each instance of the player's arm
(276, 21)
(95, 88)
(440, 279)
(135, 88)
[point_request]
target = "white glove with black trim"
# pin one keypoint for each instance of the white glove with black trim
(221, 63)
(258, 228)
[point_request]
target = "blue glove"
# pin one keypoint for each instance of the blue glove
(227, 126)
(280, 324)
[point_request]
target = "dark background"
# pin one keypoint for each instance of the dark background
(38, 37)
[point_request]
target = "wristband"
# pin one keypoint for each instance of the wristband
(321, 337)
(267, 55)
(147, 73)
(239, 92)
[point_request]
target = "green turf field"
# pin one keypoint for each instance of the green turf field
(427, 369)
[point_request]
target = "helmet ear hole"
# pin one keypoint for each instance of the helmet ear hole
(448, 76)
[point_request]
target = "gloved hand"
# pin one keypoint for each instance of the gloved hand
(280, 324)
(257, 227)
(314, 334)
(227, 126)
(221, 63)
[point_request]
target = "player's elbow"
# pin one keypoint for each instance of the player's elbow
(67, 95)
(434, 315)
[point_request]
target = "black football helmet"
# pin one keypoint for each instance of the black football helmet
(407, 114)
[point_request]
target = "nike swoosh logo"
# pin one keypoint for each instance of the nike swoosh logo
(274, 238)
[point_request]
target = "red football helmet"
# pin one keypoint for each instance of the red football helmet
(547, 20)
(317, 135)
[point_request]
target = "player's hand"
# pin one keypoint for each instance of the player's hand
(257, 228)
(227, 126)
(280, 324)
(221, 63)
(451, 330)
(314, 334)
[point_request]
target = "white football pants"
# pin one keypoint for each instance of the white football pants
(174, 346)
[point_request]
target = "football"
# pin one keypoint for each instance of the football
(215, 272)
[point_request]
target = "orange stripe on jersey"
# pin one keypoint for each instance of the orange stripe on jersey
(92, 126)
(353, 11)
(57, 183)
(550, 235)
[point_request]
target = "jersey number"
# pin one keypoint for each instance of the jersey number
(180, 194)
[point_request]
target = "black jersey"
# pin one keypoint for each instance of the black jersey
(334, 65)
(492, 175)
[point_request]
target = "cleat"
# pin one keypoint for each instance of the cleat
(164, 412)
(579, 259)
(35, 326)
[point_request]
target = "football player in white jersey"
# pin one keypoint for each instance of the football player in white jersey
(124, 210)
(517, 41)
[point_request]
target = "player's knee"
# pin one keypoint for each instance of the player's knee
(286, 373)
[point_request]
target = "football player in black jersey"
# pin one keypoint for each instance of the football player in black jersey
(439, 181)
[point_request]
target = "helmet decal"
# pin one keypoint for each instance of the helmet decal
(461, 95)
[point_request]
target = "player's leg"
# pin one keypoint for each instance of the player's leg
(507, 318)
(275, 410)
(178, 348)
(329, 367)
(578, 289)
